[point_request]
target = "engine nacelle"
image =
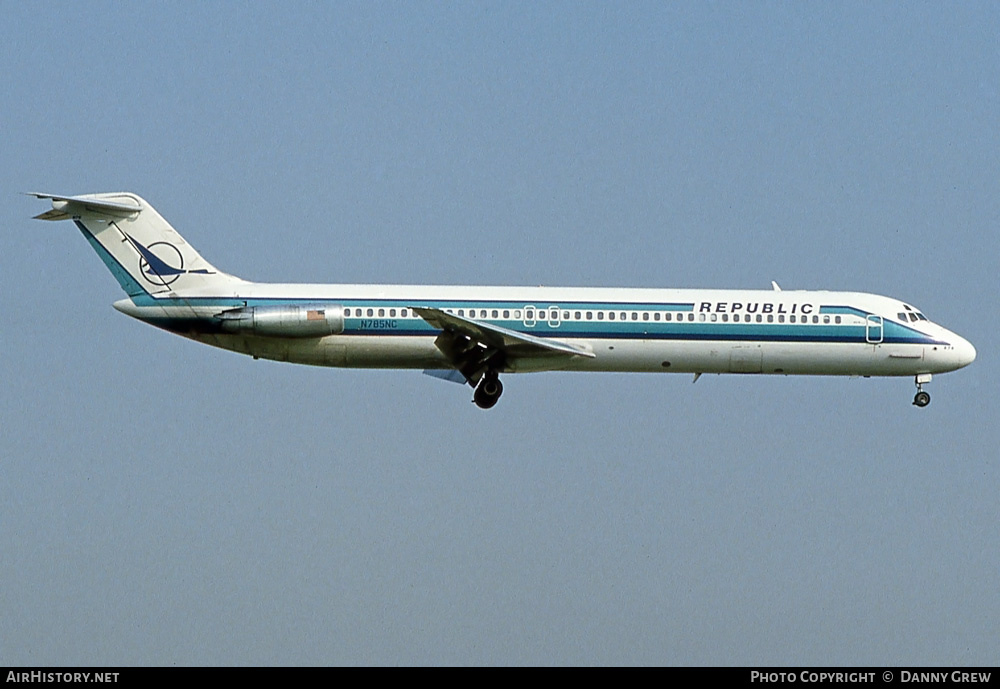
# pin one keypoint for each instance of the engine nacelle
(296, 320)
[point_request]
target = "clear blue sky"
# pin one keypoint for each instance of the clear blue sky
(167, 503)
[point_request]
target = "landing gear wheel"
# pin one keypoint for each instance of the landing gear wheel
(922, 399)
(489, 391)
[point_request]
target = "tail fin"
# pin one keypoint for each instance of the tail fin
(144, 253)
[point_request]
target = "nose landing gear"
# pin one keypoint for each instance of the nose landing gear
(488, 391)
(922, 399)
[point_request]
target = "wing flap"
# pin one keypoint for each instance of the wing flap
(449, 374)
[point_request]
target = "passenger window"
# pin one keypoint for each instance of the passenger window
(826, 319)
(791, 319)
(371, 312)
(600, 315)
(781, 318)
(815, 319)
(690, 316)
(611, 315)
(496, 314)
(836, 319)
(635, 315)
(656, 316)
(770, 318)
(517, 314)
(645, 315)
(590, 315)
(381, 313)
(576, 315)
(759, 318)
(403, 313)
(506, 313)
(701, 317)
(725, 318)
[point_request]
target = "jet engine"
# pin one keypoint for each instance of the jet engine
(290, 320)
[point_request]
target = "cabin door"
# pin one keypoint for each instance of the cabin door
(873, 329)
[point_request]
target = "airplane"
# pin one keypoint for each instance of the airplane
(471, 335)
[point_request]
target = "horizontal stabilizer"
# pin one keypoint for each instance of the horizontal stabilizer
(52, 215)
(65, 207)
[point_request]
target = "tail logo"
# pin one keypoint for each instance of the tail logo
(161, 263)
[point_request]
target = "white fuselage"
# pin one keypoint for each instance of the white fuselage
(647, 330)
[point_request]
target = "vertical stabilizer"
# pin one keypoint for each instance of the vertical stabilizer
(144, 253)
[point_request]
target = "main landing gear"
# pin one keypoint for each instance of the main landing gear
(488, 391)
(922, 399)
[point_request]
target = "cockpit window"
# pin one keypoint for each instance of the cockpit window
(921, 316)
(901, 316)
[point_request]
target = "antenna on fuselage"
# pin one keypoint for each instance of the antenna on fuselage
(775, 286)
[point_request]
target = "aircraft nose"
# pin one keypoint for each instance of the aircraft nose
(965, 353)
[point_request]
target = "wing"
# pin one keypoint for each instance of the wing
(475, 346)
